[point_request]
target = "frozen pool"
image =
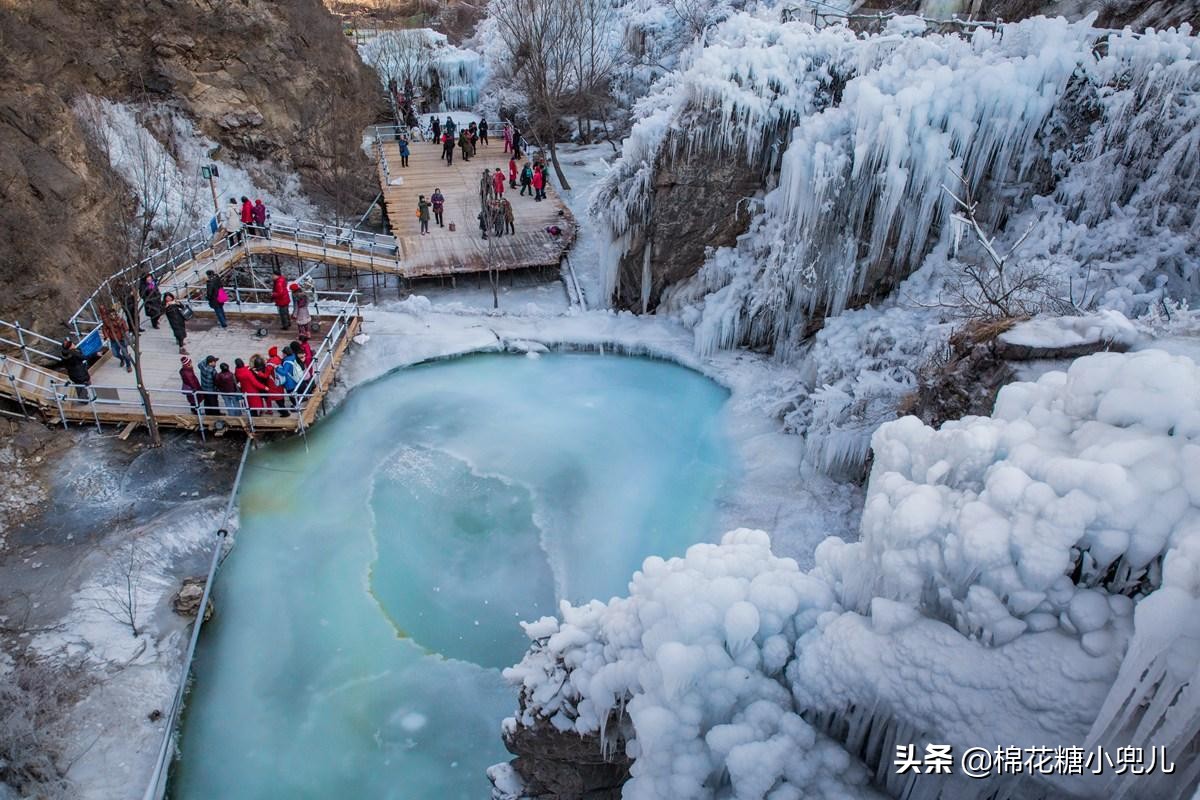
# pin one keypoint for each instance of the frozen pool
(378, 578)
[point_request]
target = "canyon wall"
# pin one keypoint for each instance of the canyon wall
(275, 85)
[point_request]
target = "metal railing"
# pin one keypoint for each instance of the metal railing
(158, 779)
(72, 401)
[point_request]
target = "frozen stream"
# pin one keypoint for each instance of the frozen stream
(378, 578)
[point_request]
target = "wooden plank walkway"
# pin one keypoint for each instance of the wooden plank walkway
(463, 250)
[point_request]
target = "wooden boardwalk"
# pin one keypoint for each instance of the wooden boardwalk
(463, 250)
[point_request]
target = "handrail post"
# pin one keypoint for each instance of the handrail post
(58, 401)
(21, 341)
(92, 406)
(12, 379)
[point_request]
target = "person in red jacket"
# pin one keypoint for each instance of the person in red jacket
(305, 350)
(264, 371)
(191, 384)
(251, 386)
(512, 173)
(539, 184)
(498, 182)
(247, 214)
(282, 298)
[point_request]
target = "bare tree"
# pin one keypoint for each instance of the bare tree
(998, 286)
(560, 56)
(118, 597)
(404, 56)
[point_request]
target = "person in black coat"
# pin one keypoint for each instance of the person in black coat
(176, 319)
(212, 292)
(151, 299)
(76, 368)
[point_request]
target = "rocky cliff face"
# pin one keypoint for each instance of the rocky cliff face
(696, 204)
(274, 82)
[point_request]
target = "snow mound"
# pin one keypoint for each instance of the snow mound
(1029, 579)
(695, 656)
(1045, 333)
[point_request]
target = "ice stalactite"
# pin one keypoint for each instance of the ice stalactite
(735, 99)
(460, 75)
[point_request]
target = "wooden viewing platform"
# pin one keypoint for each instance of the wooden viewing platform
(464, 250)
(28, 360)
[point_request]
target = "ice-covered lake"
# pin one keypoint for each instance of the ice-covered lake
(378, 578)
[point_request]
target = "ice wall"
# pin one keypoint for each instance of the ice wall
(1029, 579)
(429, 56)
(1090, 133)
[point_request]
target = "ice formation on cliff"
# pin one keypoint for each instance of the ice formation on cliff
(1026, 579)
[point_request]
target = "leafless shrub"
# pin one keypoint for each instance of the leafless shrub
(34, 697)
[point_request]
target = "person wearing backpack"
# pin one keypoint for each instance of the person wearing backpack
(290, 374)
(423, 214)
(526, 179)
(281, 298)
(214, 292)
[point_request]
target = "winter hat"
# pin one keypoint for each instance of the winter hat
(295, 287)
(274, 351)
(210, 359)
(187, 362)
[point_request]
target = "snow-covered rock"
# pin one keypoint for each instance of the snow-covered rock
(1029, 579)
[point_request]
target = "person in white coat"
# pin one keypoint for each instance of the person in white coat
(231, 221)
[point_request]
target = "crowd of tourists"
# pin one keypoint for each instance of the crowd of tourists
(496, 216)
(270, 384)
(240, 218)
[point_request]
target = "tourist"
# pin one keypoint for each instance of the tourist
(151, 299)
(438, 201)
(516, 144)
(436, 126)
(423, 214)
(289, 374)
(498, 182)
(214, 292)
(507, 131)
(448, 149)
(306, 351)
(526, 179)
(496, 211)
(227, 385)
(539, 184)
(232, 223)
(251, 386)
(283, 301)
(177, 319)
(464, 144)
(129, 305)
(449, 126)
(247, 214)
(485, 185)
(472, 137)
(264, 371)
(303, 315)
(507, 208)
(191, 384)
(208, 383)
(404, 152)
(261, 215)
(512, 173)
(76, 367)
(114, 329)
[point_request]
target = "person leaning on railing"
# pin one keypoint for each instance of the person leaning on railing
(76, 368)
